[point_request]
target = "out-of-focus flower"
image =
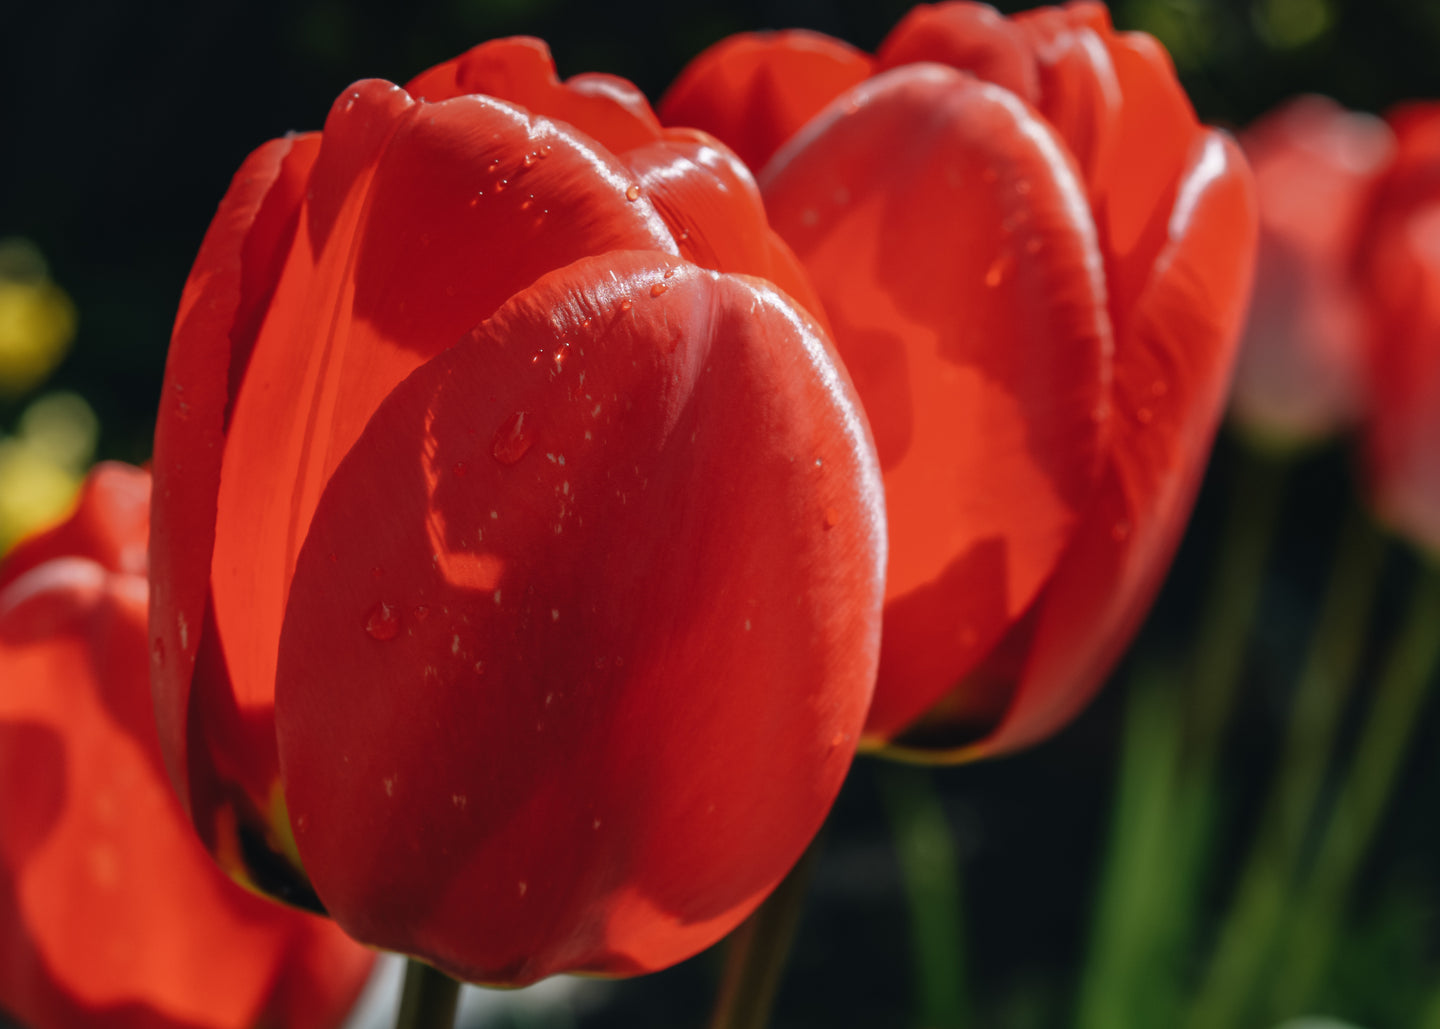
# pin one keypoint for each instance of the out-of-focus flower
(1399, 265)
(1035, 262)
(111, 913)
(517, 568)
(1301, 373)
(41, 466)
(37, 319)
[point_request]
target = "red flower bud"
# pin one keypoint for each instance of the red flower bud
(518, 544)
(113, 915)
(1035, 261)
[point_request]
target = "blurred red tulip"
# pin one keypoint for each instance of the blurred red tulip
(113, 915)
(1398, 261)
(1300, 376)
(511, 552)
(1035, 262)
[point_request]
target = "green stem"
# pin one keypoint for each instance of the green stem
(1147, 902)
(1364, 791)
(930, 871)
(429, 999)
(1220, 642)
(1247, 936)
(758, 950)
(1124, 966)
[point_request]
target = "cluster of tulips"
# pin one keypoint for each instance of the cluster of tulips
(551, 494)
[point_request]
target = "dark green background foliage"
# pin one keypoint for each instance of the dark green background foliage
(122, 125)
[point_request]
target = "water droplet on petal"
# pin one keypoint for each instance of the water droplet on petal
(832, 518)
(383, 622)
(625, 305)
(632, 194)
(658, 289)
(513, 438)
(669, 273)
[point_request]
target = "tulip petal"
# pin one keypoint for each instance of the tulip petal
(710, 201)
(967, 36)
(113, 915)
(109, 526)
(1156, 134)
(225, 299)
(1080, 94)
(753, 91)
(395, 258)
(605, 579)
(952, 246)
(1173, 363)
(520, 69)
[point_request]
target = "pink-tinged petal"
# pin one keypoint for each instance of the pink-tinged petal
(110, 525)
(112, 914)
(1300, 376)
(968, 36)
(1080, 94)
(225, 299)
(606, 579)
(399, 253)
(1156, 135)
(754, 91)
(950, 242)
(520, 69)
(1172, 369)
(710, 201)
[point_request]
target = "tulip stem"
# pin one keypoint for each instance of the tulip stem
(930, 869)
(758, 949)
(1364, 790)
(429, 999)
(1247, 936)
(1218, 658)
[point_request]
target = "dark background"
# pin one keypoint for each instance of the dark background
(122, 124)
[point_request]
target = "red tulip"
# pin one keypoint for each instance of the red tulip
(113, 915)
(1398, 262)
(517, 564)
(1300, 376)
(1035, 261)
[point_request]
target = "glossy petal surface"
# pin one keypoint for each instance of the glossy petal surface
(753, 91)
(710, 201)
(113, 913)
(584, 767)
(608, 109)
(952, 246)
(967, 36)
(393, 258)
(1173, 362)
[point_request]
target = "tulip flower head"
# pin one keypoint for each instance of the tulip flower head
(113, 915)
(1035, 262)
(518, 543)
(1301, 373)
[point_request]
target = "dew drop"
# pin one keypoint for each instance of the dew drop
(513, 438)
(669, 273)
(632, 194)
(995, 274)
(658, 289)
(493, 165)
(625, 305)
(383, 623)
(832, 518)
(560, 357)
(530, 159)
(500, 185)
